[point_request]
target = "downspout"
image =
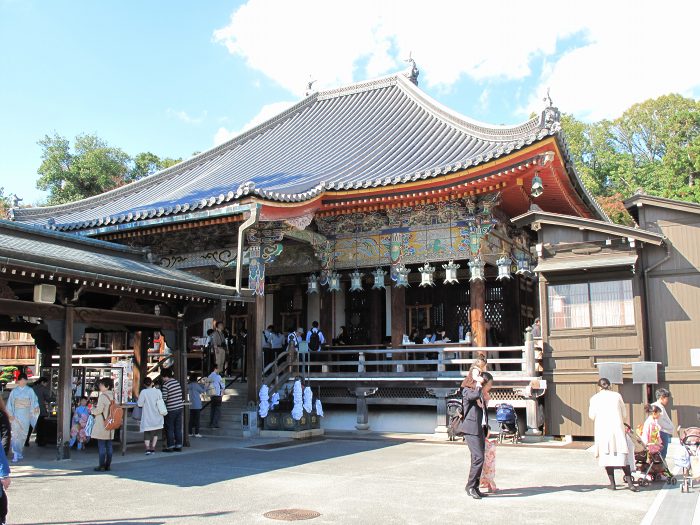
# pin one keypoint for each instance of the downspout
(247, 224)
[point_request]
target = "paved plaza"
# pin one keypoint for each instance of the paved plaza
(347, 479)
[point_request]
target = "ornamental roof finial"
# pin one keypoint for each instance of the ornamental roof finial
(412, 73)
(551, 115)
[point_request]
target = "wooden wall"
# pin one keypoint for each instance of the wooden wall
(674, 305)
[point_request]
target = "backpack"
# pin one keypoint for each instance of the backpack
(113, 421)
(314, 341)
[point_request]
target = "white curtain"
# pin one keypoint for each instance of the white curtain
(568, 306)
(612, 304)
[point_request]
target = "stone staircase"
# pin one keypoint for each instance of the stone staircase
(233, 401)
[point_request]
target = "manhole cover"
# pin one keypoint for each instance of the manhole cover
(292, 514)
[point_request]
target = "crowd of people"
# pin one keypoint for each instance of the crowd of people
(613, 446)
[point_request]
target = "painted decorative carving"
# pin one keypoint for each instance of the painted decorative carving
(300, 223)
(256, 272)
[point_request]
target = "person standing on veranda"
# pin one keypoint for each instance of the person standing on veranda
(612, 447)
(218, 341)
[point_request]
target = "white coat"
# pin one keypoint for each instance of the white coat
(150, 416)
(608, 411)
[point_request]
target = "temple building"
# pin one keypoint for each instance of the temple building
(374, 208)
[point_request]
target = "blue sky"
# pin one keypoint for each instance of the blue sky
(171, 76)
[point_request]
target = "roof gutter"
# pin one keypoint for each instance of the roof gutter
(247, 224)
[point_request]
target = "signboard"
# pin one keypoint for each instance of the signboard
(611, 371)
(695, 357)
(645, 373)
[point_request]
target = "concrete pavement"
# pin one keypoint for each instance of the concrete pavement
(348, 480)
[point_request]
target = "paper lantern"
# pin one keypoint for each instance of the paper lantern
(356, 281)
(378, 276)
(313, 284)
(476, 268)
(451, 272)
(503, 265)
(426, 275)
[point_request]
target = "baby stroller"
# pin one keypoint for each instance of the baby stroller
(648, 461)
(508, 421)
(689, 458)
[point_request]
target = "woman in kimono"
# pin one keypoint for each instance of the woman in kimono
(612, 446)
(23, 407)
(488, 474)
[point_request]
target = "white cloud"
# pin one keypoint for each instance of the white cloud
(185, 117)
(266, 112)
(625, 51)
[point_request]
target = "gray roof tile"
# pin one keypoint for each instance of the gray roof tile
(371, 133)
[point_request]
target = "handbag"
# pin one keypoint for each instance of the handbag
(137, 413)
(160, 404)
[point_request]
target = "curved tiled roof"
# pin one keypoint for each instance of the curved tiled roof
(369, 134)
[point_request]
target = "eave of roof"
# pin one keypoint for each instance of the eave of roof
(585, 263)
(55, 253)
(532, 218)
(639, 200)
(493, 142)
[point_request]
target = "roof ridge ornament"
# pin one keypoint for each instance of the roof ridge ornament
(413, 72)
(551, 115)
(310, 87)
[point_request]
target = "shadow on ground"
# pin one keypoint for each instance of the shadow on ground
(197, 469)
(146, 520)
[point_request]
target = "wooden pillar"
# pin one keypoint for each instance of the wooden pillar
(255, 354)
(140, 362)
(326, 314)
(477, 298)
(398, 316)
(65, 376)
(375, 316)
(181, 345)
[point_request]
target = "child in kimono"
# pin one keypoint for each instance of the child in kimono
(81, 415)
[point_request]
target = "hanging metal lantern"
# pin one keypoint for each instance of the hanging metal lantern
(356, 281)
(313, 284)
(334, 282)
(524, 267)
(476, 268)
(503, 265)
(378, 276)
(537, 188)
(426, 275)
(402, 276)
(451, 272)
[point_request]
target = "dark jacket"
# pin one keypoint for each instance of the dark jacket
(472, 424)
(5, 432)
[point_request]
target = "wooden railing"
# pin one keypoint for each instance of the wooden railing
(419, 363)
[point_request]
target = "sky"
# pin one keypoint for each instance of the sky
(176, 77)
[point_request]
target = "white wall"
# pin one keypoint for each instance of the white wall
(381, 419)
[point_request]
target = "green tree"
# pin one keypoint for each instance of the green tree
(654, 145)
(90, 168)
(148, 163)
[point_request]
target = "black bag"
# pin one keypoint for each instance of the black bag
(314, 341)
(454, 428)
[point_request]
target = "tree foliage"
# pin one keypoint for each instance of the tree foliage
(653, 146)
(91, 167)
